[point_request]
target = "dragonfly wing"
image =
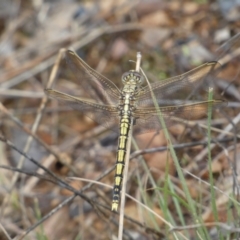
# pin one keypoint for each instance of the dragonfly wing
(102, 114)
(148, 119)
(169, 89)
(93, 83)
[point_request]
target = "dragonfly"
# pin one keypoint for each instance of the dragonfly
(107, 105)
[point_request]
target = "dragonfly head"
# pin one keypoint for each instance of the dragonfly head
(132, 77)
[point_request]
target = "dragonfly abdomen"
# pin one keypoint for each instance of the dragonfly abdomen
(121, 154)
(125, 124)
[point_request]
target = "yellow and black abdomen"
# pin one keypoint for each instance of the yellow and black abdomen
(126, 105)
(125, 122)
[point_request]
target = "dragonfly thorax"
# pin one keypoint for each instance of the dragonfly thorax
(132, 78)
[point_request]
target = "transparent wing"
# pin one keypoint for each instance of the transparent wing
(97, 86)
(179, 87)
(102, 114)
(148, 119)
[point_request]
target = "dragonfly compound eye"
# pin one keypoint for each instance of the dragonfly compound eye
(132, 76)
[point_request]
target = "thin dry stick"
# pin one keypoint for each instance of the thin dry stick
(5, 232)
(132, 198)
(51, 174)
(127, 158)
(210, 224)
(39, 140)
(228, 128)
(223, 61)
(8, 83)
(20, 93)
(85, 39)
(229, 57)
(202, 125)
(137, 153)
(30, 138)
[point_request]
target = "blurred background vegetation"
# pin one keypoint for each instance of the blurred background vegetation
(173, 37)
